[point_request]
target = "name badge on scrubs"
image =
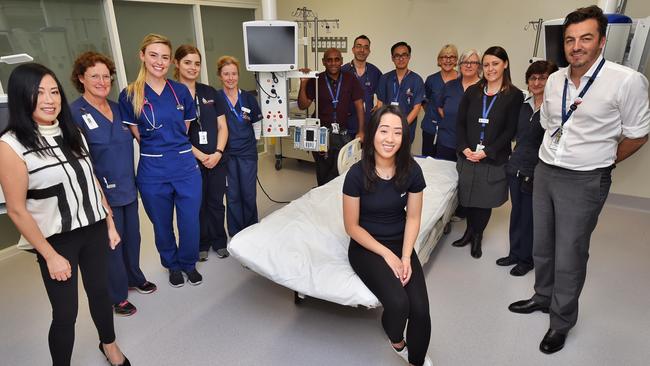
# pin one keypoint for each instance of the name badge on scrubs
(245, 110)
(484, 120)
(335, 128)
(479, 147)
(394, 103)
(203, 137)
(90, 121)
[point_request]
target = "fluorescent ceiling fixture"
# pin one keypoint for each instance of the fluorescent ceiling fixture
(16, 59)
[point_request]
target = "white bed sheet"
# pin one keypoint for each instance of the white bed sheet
(303, 246)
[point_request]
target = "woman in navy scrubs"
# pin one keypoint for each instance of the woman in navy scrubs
(433, 87)
(111, 150)
(158, 112)
(208, 134)
(242, 111)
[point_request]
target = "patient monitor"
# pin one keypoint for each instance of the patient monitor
(271, 51)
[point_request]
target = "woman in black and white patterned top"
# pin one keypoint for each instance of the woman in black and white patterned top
(55, 202)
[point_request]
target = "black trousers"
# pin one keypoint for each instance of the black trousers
(446, 153)
(428, 148)
(85, 248)
(326, 164)
(478, 218)
(566, 206)
(212, 212)
(521, 221)
(401, 303)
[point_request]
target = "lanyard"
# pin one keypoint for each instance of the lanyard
(486, 112)
(198, 110)
(238, 114)
(396, 88)
(574, 105)
(335, 99)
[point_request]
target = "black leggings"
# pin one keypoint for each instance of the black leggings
(478, 218)
(401, 303)
(86, 248)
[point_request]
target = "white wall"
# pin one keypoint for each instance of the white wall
(428, 24)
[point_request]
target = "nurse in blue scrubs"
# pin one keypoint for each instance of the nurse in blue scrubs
(111, 150)
(433, 86)
(242, 111)
(209, 135)
(159, 111)
(402, 87)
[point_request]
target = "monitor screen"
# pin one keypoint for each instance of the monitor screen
(554, 37)
(309, 135)
(270, 45)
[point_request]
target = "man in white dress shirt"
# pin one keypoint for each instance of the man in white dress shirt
(595, 114)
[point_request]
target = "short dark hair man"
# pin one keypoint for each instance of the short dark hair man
(368, 76)
(338, 92)
(402, 87)
(595, 114)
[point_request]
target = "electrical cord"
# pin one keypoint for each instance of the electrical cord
(257, 81)
(267, 195)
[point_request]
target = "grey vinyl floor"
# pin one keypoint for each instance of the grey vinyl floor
(239, 318)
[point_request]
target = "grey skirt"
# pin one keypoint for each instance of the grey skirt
(480, 184)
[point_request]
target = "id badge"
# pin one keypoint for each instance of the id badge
(484, 121)
(203, 137)
(90, 121)
(479, 147)
(555, 140)
(335, 128)
(394, 103)
(245, 110)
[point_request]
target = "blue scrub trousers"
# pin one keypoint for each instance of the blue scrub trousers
(159, 200)
(124, 262)
(213, 212)
(521, 222)
(241, 194)
(412, 128)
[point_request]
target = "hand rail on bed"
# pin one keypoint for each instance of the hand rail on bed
(350, 153)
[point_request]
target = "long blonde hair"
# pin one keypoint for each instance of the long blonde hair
(135, 90)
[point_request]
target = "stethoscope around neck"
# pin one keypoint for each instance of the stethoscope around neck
(153, 125)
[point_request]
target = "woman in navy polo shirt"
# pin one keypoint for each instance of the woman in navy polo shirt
(242, 111)
(208, 134)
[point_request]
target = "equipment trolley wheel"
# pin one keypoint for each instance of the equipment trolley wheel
(278, 163)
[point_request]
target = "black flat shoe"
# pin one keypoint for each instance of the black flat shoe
(126, 360)
(527, 307)
(553, 341)
(466, 239)
(520, 270)
(476, 251)
(506, 261)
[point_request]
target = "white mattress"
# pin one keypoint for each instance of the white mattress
(303, 246)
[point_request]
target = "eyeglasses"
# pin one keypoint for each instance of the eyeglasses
(534, 78)
(97, 77)
(401, 56)
(448, 58)
(470, 63)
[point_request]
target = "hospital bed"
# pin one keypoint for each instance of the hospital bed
(304, 247)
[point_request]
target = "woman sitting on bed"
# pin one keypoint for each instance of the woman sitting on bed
(383, 233)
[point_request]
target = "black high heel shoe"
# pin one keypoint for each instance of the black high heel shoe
(466, 239)
(126, 360)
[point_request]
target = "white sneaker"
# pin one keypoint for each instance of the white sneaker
(427, 361)
(404, 353)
